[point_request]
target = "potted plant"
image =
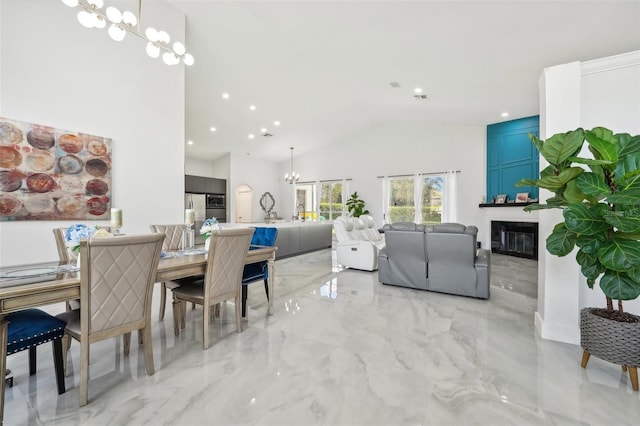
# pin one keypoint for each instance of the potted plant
(600, 202)
(356, 206)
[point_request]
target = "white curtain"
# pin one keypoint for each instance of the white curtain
(385, 199)
(450, 207)
(418, 182)
(345, 196)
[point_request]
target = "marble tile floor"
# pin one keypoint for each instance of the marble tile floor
(340, 349)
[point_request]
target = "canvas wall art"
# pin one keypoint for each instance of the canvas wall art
(53, 174)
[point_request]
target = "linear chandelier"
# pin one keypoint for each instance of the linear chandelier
(92, 16)
(294, 177)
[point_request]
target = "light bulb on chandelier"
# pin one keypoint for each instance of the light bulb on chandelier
(293, 177)
(91, 15)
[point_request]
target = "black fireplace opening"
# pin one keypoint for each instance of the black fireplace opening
(518, 239)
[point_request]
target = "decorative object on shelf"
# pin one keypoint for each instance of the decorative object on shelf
(267, 203)
(93, 16)
(601, 208)
(53, 174)
(207, 228)
(501, 199)
(355, 205)
(116, 220)
(522, 197)
(188, 235)
(293, 177)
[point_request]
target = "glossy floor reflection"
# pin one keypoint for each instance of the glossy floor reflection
(340, 349)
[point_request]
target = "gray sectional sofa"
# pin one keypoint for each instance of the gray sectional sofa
(441, 257)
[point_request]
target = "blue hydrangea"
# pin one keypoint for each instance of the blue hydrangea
(208, 226)
(78, 232)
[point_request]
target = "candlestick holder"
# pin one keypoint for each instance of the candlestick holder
(188, 238)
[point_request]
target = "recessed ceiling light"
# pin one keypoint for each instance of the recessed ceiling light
(252, 107)
(505, 114)
(417, 90)
(263, 130)
(276, 123)
(225, 95)
(213, 129)
(251, 136)
(189, 142)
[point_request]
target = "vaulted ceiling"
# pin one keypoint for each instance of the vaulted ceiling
(324, 68)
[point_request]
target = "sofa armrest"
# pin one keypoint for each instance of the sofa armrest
(358, 254)
(483, 273)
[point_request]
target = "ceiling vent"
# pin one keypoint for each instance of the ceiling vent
(394, 84)
(267, 135)
(420, 96)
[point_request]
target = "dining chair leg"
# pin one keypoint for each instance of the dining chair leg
(244, 300)
(238, 310)
(66, 342)
(266, 288)
(183, 314)
(58, 364)
(206, 308)
(126, 340)
(140, 337)
(176, 317)
(163, 300)
(148, 350)
(84, 371)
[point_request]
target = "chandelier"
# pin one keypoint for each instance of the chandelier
(293, 177)
(91, 15)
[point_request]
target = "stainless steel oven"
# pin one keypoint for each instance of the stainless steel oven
(215, 201)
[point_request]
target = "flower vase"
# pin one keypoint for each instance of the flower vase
(206, 244)
(78, 263)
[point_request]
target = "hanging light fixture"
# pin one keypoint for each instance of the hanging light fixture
(293, 177)
(92, 15)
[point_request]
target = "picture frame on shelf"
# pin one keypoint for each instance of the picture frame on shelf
(522, 197)
(501, 198)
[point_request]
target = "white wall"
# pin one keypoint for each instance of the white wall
(261, 176)
(605, 92)
(56, 72)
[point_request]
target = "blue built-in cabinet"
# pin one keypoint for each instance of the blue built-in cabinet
(511, 157)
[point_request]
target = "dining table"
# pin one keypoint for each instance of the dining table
(31, 285)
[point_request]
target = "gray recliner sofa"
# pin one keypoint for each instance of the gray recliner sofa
(441, 257)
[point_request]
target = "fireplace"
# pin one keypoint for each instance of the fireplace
(515, 239)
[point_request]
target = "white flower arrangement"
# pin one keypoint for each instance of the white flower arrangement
(208, 227)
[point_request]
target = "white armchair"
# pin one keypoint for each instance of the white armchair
(359, 242)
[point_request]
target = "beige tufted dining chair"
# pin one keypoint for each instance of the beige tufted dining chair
(117, 276)
(173, 237)
(222, 279)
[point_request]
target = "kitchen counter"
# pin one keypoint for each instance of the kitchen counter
(296, 237)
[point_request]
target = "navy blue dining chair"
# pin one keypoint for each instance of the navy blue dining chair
(259, 271)
(30, 328)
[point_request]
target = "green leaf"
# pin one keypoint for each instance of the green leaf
(603, 144)
(592, 272)
(586, 259)
(559, 147)
(628, 145)
(550, 170)
(624, 221)
(626, 198)
(536, 141)
(628, 235)
(634, 274)
(590, 161)
(592, 184)
(585, 218)
(561, 241)
(572, 193)
(556, 182)
(619, 286)
(590, 244)
(620, 254)
(532, 207)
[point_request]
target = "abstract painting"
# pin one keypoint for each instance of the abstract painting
(53, 174)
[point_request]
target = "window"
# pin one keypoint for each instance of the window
(407, 192)
(432, 196)
(306, 201)
(401, 200)
(331, 205)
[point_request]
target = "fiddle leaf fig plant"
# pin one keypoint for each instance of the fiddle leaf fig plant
(356, 206)
(600, 202)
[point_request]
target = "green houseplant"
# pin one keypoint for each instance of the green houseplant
(356, 206)
(600, 202)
